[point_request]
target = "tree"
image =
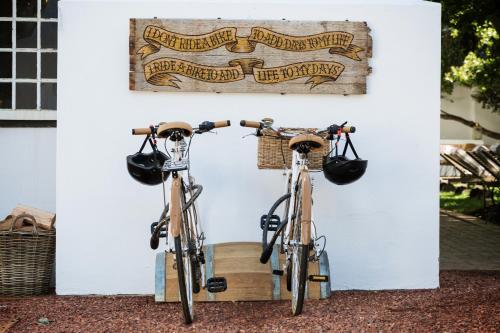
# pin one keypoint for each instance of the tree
(470, 49)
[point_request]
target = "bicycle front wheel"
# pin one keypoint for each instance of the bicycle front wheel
(300, 245)
(185, 276)
(299, 277)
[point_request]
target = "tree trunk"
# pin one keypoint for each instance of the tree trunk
(469, 123)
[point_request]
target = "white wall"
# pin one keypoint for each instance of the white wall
(461, 103)
(382, 231)
(27, 168)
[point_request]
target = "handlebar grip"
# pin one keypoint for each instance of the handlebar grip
(249, 123)
(141, 131)
(334, 129)
(222, 123)
(349, 129)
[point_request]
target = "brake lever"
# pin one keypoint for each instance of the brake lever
(244, 136)
(198, 131)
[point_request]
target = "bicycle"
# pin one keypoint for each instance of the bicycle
(296, 226)
(179, 219)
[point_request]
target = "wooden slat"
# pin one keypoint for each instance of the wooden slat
(160, 277)
(324, 269)
(247, 287)
(275, 265)
(238, 249)
(313, 288)
(247, 279)
(209, 268)
(172, 285)
(458, 166)
(132, 50)
(486, 163)
(244, 264)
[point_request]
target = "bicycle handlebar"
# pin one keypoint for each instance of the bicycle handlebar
(207, 126)
(332, 129)
(202, 128)
(222, 123)
(141, 131)
(249, 123)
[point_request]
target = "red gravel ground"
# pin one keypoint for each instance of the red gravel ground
(466, 302)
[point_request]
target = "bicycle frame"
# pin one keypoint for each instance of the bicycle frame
(176, 219)
(299, 171)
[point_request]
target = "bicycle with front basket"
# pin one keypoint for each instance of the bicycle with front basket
(296, 226)
(179, 222)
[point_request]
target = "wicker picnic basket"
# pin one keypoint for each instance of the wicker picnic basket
(26, 257)
(273, 151)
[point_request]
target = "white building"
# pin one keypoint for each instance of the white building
(461, 104)
(382, 231)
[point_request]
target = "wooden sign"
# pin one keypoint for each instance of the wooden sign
(321, 57)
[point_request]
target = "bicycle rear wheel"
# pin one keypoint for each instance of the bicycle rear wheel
(185, 276)
(300, 254)
(189, 216)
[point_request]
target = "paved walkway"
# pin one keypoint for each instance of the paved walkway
(468, 244)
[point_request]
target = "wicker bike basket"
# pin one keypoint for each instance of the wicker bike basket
(26, 257)
(273, 151)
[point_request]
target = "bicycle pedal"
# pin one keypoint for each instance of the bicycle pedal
(274, 222)
(278, 272)
(318, 278)
(216, 284)
(163, 231)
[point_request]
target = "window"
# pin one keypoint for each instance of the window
(28, 59)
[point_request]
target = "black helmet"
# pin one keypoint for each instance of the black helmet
(146, 168)
(341, 171)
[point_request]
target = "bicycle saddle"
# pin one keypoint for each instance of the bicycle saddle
(166, 129)
(314, 141)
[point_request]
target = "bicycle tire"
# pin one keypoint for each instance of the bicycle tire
(186, 309)
(196, 275)
(303, 256)
(289, 276)
(195, 269)
(300, 257)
